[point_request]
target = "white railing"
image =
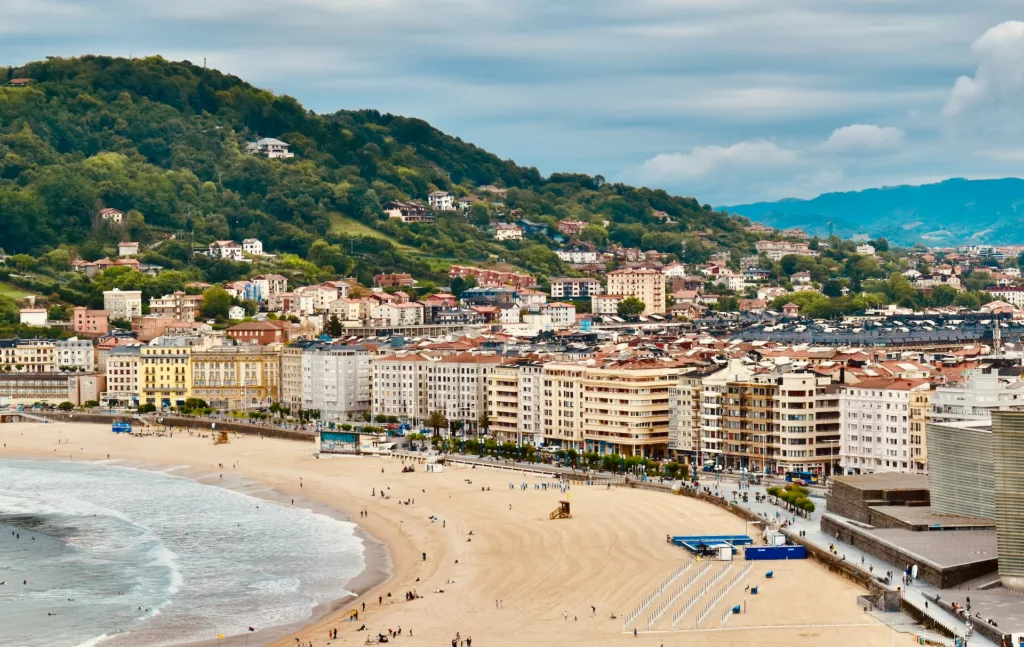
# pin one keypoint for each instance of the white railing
(726, 615)
(698, 594)
(667, 604)
(628, 619)
(713, 602)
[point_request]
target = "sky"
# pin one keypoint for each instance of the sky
(729, 101)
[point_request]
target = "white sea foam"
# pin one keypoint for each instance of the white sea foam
(157, 559)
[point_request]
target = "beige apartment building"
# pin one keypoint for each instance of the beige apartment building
(290, 374)
(514, 403)
(180, 306)
(771, 422)
(237, 377)
(646, 285)
(123, 304)
(618, 408)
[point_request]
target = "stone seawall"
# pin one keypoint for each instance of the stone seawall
(186, 422)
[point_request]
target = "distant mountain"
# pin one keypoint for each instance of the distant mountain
(950, 212)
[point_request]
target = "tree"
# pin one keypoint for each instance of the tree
(435, 421)
(630, 307)
(833, 289)
(216, 303)
(483, 422)
(148, 407)
(480, 213)
(65, 406)
(943, 295)
(334, 327)
(728, 304)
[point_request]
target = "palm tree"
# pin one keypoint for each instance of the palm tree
(483, 422)
(436, 420)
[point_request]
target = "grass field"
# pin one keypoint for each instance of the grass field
(8, 290)
(342, 225)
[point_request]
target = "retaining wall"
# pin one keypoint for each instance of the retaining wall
(203, 424)
(942, 578)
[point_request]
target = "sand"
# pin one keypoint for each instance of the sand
(610, 555)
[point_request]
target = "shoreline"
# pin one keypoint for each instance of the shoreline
(377, 563)
(494, 566)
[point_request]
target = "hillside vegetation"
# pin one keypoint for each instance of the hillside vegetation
(163, 142)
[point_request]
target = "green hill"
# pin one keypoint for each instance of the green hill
(164, 142)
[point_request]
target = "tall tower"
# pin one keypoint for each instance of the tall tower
(1008, 459)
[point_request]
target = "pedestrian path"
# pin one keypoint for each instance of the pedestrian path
(811, 527)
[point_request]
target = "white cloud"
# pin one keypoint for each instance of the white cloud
(863, 137)
(998, 82)
(706, 160)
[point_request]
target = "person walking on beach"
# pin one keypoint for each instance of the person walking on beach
(565, 616)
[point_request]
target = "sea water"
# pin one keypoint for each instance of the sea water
(99, 554)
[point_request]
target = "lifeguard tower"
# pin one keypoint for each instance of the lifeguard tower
(221, 438)
(562, 512)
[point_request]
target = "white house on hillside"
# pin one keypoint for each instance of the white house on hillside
(269, 147)
(228, 249)
(252, 246)
(441, 201)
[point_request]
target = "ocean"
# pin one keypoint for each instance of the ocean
(101, 554)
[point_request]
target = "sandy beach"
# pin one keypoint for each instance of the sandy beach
(519, 578)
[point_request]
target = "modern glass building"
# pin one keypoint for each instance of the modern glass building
(976, 469)
(1008, 455)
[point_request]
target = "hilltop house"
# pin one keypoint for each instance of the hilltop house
(441, 201)
(112, 215)
(269, 147)
(408, 211)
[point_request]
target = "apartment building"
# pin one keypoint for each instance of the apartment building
(397, 314)
(457, 385)
(618, 408)
(75, 353)
(514, 403)
(123, 376)
(775, 249)
(122, 304)
(684, 414)
(28, 355)
(711, 441)
(574, 288)
(166, 373)
(290, 375)
(646, 285)
(269, 285)
(180, 306)
(336, 380)
(883, 426)
(771, 422)
(975, 397)
(90, 322)
(605, 304)
(237, 377)
(30, 388)
(400, 385)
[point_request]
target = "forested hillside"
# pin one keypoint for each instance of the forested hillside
(164, 142)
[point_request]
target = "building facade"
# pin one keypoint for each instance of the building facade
(123, 304)
(646, 285)
(237, 377)
(166, 373)
(336, 380)
(883, 426)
